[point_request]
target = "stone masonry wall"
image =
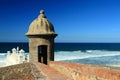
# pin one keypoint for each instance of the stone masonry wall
(86, 72)
(25, 71)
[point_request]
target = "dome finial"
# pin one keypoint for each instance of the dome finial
(42, 14)
(41, 11)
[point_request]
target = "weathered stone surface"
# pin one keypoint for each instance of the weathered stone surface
(25, 71)
(41, 26)
(41, 36)
(58, 71)
(51, 73)
(86, 72)
(31, 71)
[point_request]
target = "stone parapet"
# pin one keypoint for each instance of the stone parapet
(31, 71)
(51, 73)
(25, 71)
(87, 71)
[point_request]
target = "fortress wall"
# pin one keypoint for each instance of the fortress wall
(86, 71)
(15, 72)
(25, 71)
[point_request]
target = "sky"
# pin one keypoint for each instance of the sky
(73, 20)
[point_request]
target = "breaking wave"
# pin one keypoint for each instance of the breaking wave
(69, 55)
(103, 57)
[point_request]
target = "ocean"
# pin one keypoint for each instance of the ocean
(107, 54)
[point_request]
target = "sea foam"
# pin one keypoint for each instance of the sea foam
(102, 57)
(69, 55)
